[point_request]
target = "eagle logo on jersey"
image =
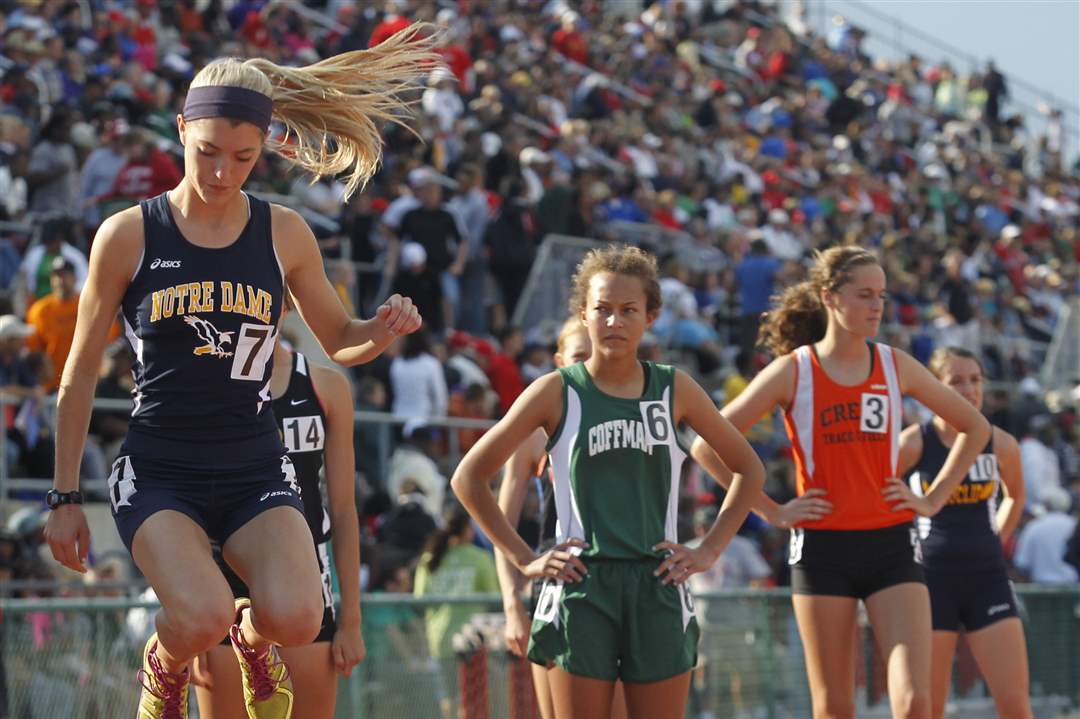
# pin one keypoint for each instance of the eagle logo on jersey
(215, 339)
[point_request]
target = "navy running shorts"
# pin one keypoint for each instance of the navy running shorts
(140, 487)
(970, 601)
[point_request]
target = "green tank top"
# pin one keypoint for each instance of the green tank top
(616, 465)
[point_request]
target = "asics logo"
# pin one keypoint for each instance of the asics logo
(165, 264)
(997, 608)
(277, 493)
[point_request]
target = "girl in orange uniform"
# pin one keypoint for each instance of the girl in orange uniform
(852, 536)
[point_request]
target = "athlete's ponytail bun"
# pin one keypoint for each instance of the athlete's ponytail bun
(800, 317)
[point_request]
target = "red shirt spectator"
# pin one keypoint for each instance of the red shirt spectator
(503, 373)
(384, 30)
(149, 173)
(459, 61)
(571, 43)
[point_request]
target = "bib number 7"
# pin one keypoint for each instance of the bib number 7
(253, 348)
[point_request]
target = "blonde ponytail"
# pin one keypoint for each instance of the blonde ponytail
(332, 110)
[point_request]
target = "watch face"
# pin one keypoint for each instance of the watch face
(52, 498)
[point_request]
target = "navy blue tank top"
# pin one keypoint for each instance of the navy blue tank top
(303, 429)
(202, 323)
(962, 536)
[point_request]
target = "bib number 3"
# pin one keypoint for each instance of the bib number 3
(874, 416)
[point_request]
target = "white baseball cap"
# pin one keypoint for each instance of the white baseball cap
(12, 326)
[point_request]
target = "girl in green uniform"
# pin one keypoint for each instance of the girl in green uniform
(615, 604)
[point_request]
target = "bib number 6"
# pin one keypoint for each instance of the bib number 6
(657, 422)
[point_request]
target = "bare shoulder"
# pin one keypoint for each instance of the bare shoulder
(548, 387)
(331, 384)
(330, 379)
(119, 244)
(293, 239)
(285, 218)
(1005, 442)
(779, 379)
(683, 380)
(122, 231)
(911, 437)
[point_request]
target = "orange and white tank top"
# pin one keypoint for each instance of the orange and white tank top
(846, 440)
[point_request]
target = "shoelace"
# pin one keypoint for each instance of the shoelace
(259, 666)
(165, 686)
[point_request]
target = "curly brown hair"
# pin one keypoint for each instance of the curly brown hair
(800, 317)
(619, 260)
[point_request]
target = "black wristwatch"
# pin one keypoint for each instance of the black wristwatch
(54, 499)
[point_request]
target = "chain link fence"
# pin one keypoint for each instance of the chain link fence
(77, 658)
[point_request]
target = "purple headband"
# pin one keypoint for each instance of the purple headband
(237, 103)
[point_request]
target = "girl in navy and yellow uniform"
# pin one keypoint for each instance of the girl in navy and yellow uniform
(198, 273)
(614, 605)
(852, 538)
(966, 571)
(314, 412)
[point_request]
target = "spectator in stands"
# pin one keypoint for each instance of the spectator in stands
(434, 228)
(99, 172)
(757, 275)
(499, 365)
(511, 245)
(680, 324)
(441, 101)
(461, 367)
(417, 381)
(451, 566)
(149, 171)
(359, 229)
(56, 235)
(414, 476)
(406, 526)
(421, 284)
(474, 402)
(53, 320)
(13, 187)
(373, 439)
(472, 209)
(53, 172)
(1040, 548)
(110, 426)
(1042, 470)
(18, 382)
